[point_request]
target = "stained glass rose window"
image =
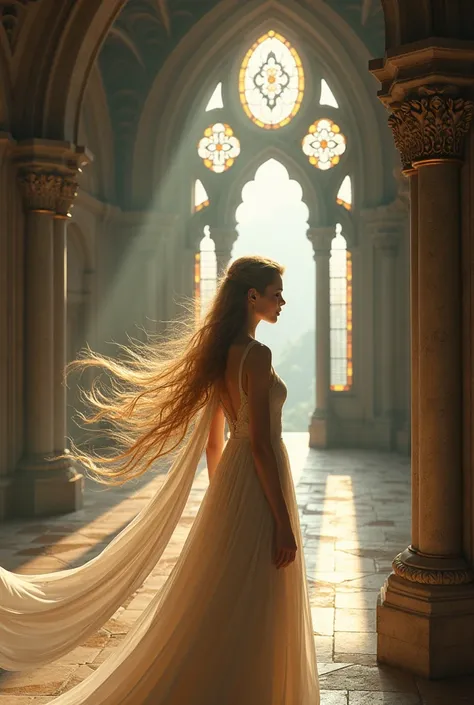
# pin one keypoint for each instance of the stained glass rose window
(324, 144)
(271, 81)
(219, 147)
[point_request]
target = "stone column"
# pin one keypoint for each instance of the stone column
(412, 175)
(167, 272)
(385, 239)
(426, 612)
(44, 483)
(319, 431)
(63, 205)
(191, 266)
(224, 239)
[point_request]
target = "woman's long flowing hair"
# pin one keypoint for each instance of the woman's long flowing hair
(148, 400)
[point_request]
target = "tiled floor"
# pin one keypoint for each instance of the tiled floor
(355, 516)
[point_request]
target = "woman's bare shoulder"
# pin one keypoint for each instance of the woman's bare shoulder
(259, 359)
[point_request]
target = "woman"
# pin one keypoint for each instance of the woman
(232, 623)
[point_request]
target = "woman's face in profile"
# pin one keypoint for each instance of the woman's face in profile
(269, 304)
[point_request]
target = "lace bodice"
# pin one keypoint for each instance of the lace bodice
(239, 427)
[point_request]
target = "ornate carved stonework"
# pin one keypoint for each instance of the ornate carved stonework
(430, 576)
(40, 191)
(431, 127)
(321, 239)
(224, 239)
(43, 191)
(67, 195)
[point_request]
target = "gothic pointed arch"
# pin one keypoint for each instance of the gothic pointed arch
(95, 131)
(177, 92)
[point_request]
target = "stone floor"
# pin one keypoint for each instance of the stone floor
(355, 516)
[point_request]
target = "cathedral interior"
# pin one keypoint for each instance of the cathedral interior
(144, 144)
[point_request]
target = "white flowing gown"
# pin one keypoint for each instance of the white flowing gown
(226, 628)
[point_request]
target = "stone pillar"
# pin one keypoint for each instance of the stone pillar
(191, 267)
(11, 320)
(385, 239)
(426, 610)
(44, 483)
(63, 205)
(224, 239)
(319, 431)
(167, 275)
(412, 175)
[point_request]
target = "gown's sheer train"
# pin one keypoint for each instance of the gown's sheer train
(226, 628)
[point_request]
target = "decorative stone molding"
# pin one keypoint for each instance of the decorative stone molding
(427, 570)
(47, 174)
(224, 239)
(431, 127)
(47, 192)
(40, 191)
(321, 239)
(68, 193)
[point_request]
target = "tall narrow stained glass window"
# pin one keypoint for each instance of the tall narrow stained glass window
(271, 81)
(340, 274)
(205, 274)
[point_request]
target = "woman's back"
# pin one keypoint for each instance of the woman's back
(235, 377)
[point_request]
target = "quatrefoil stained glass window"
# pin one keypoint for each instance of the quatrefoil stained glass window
(271, 81)
(219, 147)
(324, 144)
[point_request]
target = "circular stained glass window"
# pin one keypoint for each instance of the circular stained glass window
(271, 81)
(219, 147)
(324, 144)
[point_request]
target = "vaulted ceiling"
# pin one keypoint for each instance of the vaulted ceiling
(147, 31)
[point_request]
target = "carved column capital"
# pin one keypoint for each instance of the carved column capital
(66, 197)
(431, 127)
(321, 239)
(41, 191)
(47, 191)
(224, 238)
(47, 174)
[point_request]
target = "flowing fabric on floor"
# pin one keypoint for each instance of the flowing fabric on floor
(227, 627)
(43, 617)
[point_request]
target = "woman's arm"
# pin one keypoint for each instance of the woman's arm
(259, 378)
(215, 442)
